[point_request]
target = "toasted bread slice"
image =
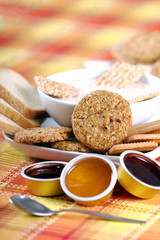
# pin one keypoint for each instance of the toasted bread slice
(8, 111)
(8, 126)
(20, 94)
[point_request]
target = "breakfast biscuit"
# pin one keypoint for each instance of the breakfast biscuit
(120, 75)
(43, 135)
(56, 89)
(101, 119)
(140, 146)
(155, 69)
(143, 48)
(144, 97)
(71, 146)
(143, 138)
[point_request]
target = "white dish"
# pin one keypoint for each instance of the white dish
(52, 154)
(49, 153)
(61, 110)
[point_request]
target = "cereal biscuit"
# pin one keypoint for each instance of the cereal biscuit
(143, 138)
(43, 135)
(140, 146)
(143, 48)
(56, 89)
(155, 70)
(101, 119)
(144, 97)
(121, 75)
(71, 146)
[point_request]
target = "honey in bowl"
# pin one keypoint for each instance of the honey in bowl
(88, 177)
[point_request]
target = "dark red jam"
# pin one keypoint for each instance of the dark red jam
(143, 168)
(45, 170)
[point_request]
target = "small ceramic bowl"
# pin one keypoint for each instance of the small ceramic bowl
(139, 174)
(43, 178)
(61, 110)
(89, 180)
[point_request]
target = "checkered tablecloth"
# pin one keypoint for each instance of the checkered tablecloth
(48, 36)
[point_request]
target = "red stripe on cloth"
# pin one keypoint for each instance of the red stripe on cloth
(101, 20)
(13, 10)
(151, 26)
(17, 11)
(44, 13)
(5, 40)
(56, 48)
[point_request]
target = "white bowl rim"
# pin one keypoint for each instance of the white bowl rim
(126, 169)
(93, 198)
(41, 179)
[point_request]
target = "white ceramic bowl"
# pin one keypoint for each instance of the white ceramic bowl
(61, 110)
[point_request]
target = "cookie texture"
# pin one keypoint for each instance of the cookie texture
(155, 70)
(121, 75)
(144, 97)
(56, 89)
(101, 119)
(143, 48)
(71, 146)
(43, 135)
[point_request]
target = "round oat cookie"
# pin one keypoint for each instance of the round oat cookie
(101, 119)
(43, 135)
(71, 146)
(143, 48)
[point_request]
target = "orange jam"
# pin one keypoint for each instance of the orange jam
(89, 177)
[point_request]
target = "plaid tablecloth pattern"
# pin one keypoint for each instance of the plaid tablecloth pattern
(48, 36)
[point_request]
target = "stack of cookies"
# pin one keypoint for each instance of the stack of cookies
(101, 123)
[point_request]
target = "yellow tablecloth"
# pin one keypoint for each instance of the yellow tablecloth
(48, 36)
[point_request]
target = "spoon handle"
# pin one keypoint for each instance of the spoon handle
(102, 215)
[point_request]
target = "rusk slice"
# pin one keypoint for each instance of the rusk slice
(20, 94)
(8, 126)
(43, 135)
(155, 70)
(144, 97)
(121, 75)
(56, 89)
(8, 111)
(141, 146)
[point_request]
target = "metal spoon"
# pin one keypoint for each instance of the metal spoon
(35, 208)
